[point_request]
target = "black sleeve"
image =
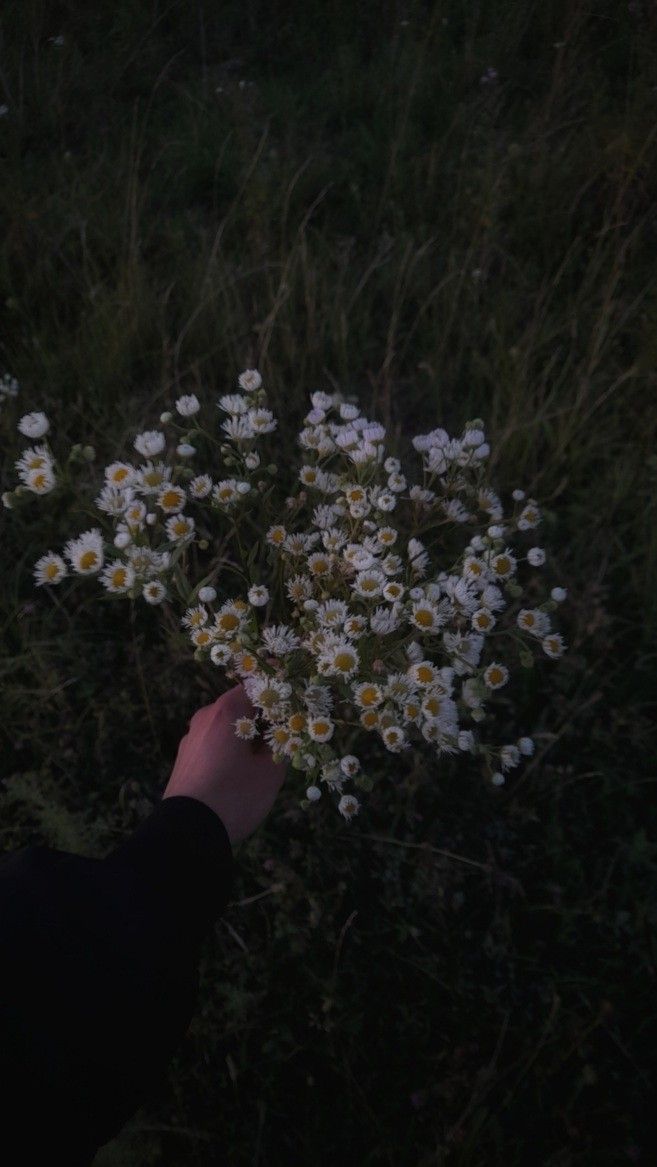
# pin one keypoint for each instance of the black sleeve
(98, 975)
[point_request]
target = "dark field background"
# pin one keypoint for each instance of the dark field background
(340, 196)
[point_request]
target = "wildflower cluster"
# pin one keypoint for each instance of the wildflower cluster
(361, 604)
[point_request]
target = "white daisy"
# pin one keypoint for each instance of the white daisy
(86, 552)
(320, 728)
(348, 806)
(154, 592)
(118, 577)
(179, 527)
(530, 516)
(280, 640)
(150, 478)
(496, 675)
(41, 481)
(553, 645)
(394, 738)
(114, 500)
(34, 425)
(33, 458)
(258, 595)
(49, 569)
(200, 486)
(536, 556)
(534, 621)
(150, 443)
(245, 728)
(262, 421)
(220, 654)
(503, 565)
(195, 617)
(188, 405)
(171, 499)
(249, 380)
(233, 403)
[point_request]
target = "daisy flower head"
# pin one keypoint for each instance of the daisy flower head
(529, 517)
(200, 486)
(118, 577)
(220, 655)
(135, 514)
(179, 527)
(85, 553)
(483, 620)
(34, 425)
(195, 617)
(49, 569)
(228, 620)
(33, 458)
(348, 806)
(367, 695)
(276, 535)
(534, 621)
(280, 640)
(188, 405)
(496, 675)
(245, 728)
(425, 616)
(319, 563)
(249, 380)
(355, 627)
(418, 557)
(201, 637)
(150, 443)
(509, 757)
(258, 595)
(114, 500)
(262, 421)
(553, 645)
(342, 659)
(394, 738)
(154, 592)
(150, 477)
(422, 673)
(120, 474)
(40, 481)
(320, 728)
(350, 765)
(503, 565)
(536, 556)
(369, 584)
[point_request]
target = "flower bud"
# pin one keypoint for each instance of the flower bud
(88, 453)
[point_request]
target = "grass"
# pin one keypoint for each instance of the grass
(331, 195)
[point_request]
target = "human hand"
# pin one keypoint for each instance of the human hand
(238, 780)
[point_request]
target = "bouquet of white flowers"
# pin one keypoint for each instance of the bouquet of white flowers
(358, 604)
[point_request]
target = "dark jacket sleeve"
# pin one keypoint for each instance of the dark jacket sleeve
(98, 975)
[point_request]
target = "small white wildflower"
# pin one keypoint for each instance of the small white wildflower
(41, 481)
(207, 594)
(350, 765)
(86, 552)
(518, 495)
(184, 450)
(526, 746)
(496, 675)
(154, 591)
(122, 539)
(313, 793)
(149, 443)
(348, 806)
(34, 425)
(166, 417)
(530, 516)
(49, 569)
(188, 405)
(118, 577)
(249, 380)
(553, 645)
(558, 594)
(509, 757)
(258, 595)
(498, 779)
(252, 460)
(220, 654)
(245, 727)
(536, 556)
(179, 527)
(466, 740)
(200, 486)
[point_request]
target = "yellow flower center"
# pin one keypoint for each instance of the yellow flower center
(278, 535)
(495, 676)
(321, 727)
(369, 696)
(153, 478)
(319, 566)
(52, 570)
(502, 564)
(35, 461)
(297, 722)
(120, 474)
(483, 621)
(119, 577)
(424, 674)
(88, 560)
(281, 735)
(424, 617)
(344, 661)
(39, 481)
(228, 622)
(202, 637)
(369, 719)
